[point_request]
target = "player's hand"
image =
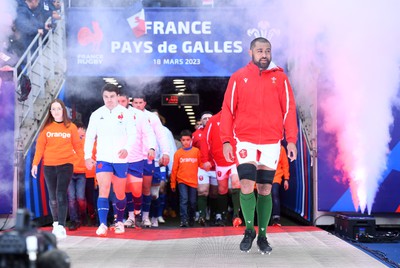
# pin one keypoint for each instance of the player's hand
(173, 189)
(207, 166)
(34, 171)
(292, 151)
(90, 163)
(228, 152)
(286, 185)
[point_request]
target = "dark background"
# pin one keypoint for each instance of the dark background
(83, 94)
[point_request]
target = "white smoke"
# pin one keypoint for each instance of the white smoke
(7, 15)
(355, 45)
(8, 12)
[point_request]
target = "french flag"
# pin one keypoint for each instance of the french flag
(137, 20)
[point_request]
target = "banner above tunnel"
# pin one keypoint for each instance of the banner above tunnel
(162, 41)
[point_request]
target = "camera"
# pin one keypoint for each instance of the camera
(27, 246)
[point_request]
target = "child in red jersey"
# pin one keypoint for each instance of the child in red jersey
(187, 160)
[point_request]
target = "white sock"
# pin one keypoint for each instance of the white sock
(145, 214)
(131, 215)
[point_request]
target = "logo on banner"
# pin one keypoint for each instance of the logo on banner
(87, 36)
(93, 37)
(243, 153)
(264, 30)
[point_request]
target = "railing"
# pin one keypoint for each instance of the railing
(307, 115)
(44, 63)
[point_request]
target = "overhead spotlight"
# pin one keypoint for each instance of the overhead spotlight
(110, 79)
(186, 107)
(180, 93)
(178, 81)
(180, 86)
(189, 109)
(192, 117)
(190, 113)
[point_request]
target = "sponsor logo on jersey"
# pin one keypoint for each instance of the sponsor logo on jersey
(64, 135)
(188, 160)
(243, 153)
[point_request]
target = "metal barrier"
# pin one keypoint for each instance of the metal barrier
(44, 62)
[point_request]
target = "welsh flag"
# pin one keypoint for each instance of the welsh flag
(136, 19)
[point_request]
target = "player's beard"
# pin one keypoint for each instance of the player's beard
(262, 65)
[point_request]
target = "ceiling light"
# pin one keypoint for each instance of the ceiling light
(180, 86)
(187, 107)
(179, 81)
(110, 80)
(190, 113)
(192, 117)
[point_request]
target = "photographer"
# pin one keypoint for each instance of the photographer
(26, 246)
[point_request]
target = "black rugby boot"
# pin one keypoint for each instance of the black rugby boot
(263, 245)
(247, 241)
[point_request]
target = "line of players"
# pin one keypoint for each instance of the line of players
(218, 175)
(132, 174)
(127, 140)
